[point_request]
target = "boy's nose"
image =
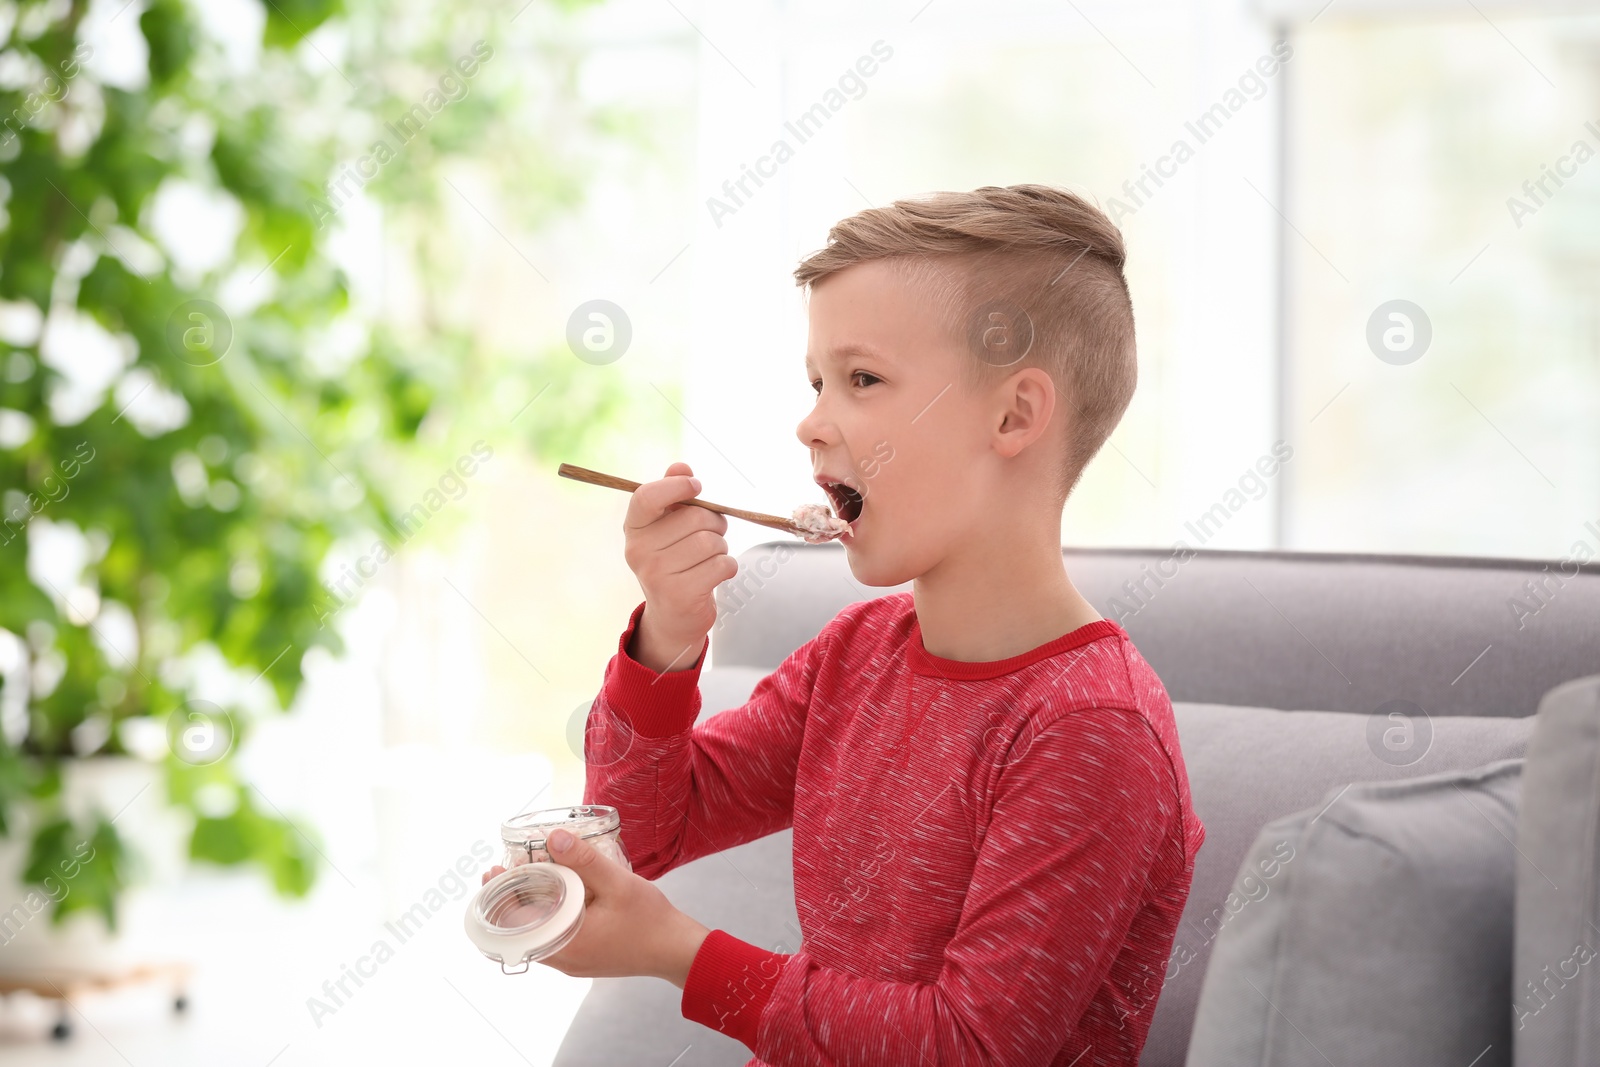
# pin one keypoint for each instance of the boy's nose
(813, 429)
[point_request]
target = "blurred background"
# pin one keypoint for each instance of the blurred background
(302, 302)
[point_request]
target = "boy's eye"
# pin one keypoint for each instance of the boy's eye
(816, 383)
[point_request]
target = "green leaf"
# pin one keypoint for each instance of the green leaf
(247, 835)
(79, 872)
(171, 36)
(288, 21)
(14, 781)
(229, 840)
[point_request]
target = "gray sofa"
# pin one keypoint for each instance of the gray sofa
(1285, 670)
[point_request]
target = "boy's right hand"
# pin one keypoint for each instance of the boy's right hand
(680, 557)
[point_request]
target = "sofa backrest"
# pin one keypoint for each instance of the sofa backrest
(1264, 629)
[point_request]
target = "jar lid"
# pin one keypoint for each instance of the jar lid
(529, 829)
(525, 914)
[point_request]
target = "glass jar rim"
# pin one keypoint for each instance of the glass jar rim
(556, 919)
(529, 828)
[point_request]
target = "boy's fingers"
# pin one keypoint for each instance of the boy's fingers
(710, 570)
(680, 523)
(652, 500)
(696, 545)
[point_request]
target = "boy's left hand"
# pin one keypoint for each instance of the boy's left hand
(629, 926)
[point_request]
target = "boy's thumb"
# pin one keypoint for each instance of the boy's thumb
(571, 851)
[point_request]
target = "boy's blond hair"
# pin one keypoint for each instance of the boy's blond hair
(1028, 275)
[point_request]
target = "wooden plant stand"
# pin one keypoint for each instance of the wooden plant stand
(64, 986)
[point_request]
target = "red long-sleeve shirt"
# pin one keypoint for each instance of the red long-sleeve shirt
(990, 859)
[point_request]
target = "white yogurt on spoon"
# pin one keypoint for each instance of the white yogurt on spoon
(819, 523)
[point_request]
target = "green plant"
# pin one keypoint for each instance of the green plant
(208, 472)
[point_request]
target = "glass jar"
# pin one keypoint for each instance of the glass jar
(524, 835)
(535, 906)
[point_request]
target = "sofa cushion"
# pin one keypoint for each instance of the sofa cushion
(1377, 929)
(1555, 990)
(1249, 766)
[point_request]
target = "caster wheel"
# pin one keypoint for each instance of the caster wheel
(61, 1031)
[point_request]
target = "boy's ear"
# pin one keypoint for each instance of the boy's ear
(1027, 402)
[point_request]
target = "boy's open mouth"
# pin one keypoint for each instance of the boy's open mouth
(847, 502)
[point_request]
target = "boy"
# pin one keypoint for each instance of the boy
(993, 839)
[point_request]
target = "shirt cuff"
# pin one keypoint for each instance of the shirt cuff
(728, 985)
(656, 704)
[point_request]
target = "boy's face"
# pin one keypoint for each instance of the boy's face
(894, 420)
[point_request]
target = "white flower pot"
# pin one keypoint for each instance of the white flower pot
(153, 836)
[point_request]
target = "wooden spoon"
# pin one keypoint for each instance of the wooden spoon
(611, 481)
